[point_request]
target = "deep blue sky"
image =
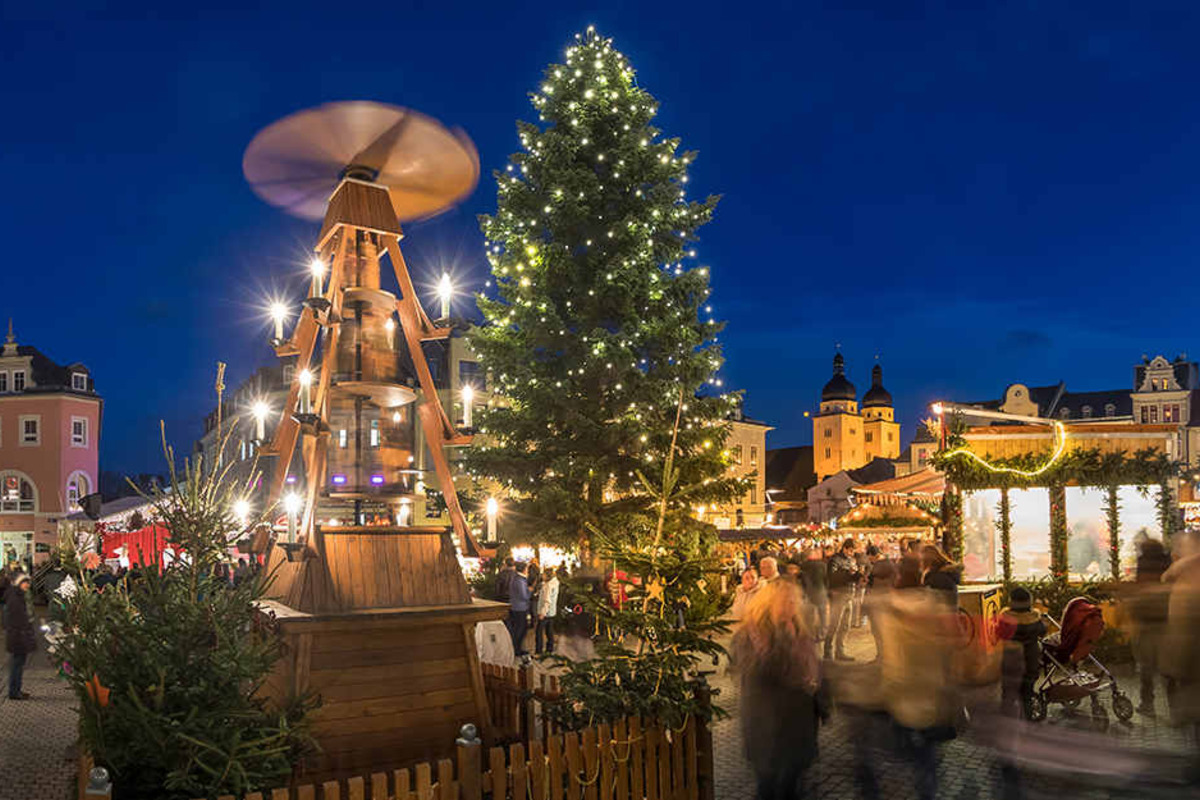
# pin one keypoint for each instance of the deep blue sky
(978, 196)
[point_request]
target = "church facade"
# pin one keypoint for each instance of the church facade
(848, 435)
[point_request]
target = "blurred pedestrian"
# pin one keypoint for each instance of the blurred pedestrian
(504, 579)
(776, 656)
(19, 636)
(814, 575)
(1148, 606)
(1021, 629)
(880, 581)
(939, 573)
(843, 577)
(858, 612)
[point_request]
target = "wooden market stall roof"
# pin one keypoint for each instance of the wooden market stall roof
(926, 485)
(1008, 441)
(898, 516)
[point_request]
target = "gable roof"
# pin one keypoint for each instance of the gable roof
(50, 376)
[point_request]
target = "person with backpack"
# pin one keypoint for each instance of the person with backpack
(843, 578)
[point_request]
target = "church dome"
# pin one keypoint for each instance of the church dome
(877, 396)
(838, 387)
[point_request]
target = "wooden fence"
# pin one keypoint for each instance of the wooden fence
(631, 760)
(517, 698)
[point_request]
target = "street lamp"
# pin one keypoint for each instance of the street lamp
(260, 410)
(241, 510)
(468, 401)
(445, 291)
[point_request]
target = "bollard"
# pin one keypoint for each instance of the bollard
(98, 785)
(470, 763)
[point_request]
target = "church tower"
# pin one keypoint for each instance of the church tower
(838, 427)
(881, 432)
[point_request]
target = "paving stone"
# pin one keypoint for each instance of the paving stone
(37, 736)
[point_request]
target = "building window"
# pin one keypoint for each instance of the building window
(827, 452)
(16, 493)
(868, 437)
(342, 438)
(753, 495)
(1171, 413)
(741, 519)
(1153, 414)
(829, 433)
(31, 430)
(1086, 412)
(18, 380)
(469, 372)
(374, 433)
(854, 431)
(1145, 414)
(3, 382)
(753, 456)
(79, 381)
(737, 455)
(1110, 410)
(79, 432)
(1064, 413)
(891, 436)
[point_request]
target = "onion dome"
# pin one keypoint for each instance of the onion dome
(838, 387)
(877, 396)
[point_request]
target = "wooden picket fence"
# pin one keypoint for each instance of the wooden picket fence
(517, 698)
(631, 760)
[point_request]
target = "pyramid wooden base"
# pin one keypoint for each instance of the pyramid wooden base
(396, 684)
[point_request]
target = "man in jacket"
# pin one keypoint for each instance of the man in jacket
(18, 634)
(518, 609)
(1021, 629)
(547, 607)
(843, 577)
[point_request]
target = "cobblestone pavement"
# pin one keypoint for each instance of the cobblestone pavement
(37, 736)
(968, 769)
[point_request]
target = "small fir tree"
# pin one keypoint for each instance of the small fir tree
(599, 317)
(661, 614)
(166, 665)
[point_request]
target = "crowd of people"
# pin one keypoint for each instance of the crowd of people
(792, 606)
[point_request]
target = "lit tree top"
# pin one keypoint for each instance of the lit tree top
(600, 320)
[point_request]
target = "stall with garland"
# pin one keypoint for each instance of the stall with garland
(1108, 467)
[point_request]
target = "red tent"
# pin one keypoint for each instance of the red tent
(143, 546)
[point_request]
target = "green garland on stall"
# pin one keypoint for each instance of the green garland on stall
(952, 532)
(1166, 510)
(1004, 512)
(1112, 512)
(1059, 533)
(1081, 467)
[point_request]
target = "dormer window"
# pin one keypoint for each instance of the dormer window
(18, 380)
(1110, 410)
(1086, 412)
(1064, 413)
(79, 381)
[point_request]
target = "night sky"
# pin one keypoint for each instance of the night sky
(978, 197)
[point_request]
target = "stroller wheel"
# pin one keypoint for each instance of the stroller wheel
(1035, 710)
(1123, 707)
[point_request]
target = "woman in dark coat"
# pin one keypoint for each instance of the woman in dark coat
(18, 634)
(940, 574)
(777, 657)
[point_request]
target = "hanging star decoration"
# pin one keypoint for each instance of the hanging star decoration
(655, 589)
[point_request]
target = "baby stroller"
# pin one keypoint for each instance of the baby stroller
(1069, 670)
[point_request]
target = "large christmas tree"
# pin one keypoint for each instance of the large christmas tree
(600, 322)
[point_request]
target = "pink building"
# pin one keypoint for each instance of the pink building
(49, 447)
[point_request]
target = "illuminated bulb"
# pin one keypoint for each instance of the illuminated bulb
(260, 410)
(445, 291)
(279, 313)
(241, 510)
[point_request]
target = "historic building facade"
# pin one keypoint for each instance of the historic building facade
(845, 436)
(49, 447)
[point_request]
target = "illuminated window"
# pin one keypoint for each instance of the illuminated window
(1153, 414)
(1171, 413)
(78, 486)
(16, 493)
(753, 456)
(737, 454)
